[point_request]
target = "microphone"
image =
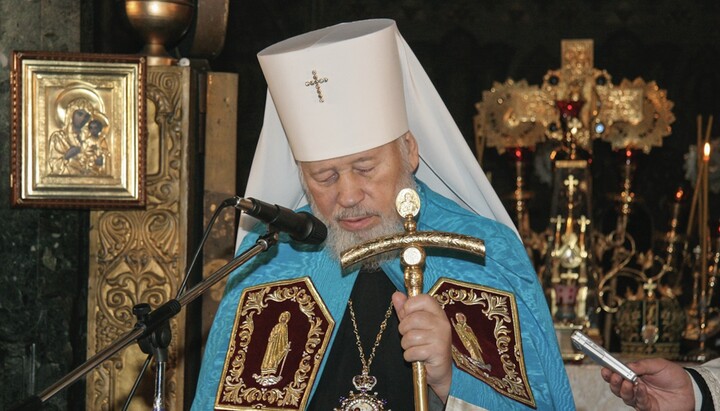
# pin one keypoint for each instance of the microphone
(302, 226)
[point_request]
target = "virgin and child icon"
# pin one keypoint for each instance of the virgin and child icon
(79, 147)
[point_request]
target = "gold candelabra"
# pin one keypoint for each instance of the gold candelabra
(704, 285)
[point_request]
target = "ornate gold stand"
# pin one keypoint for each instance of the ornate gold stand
(575, 105)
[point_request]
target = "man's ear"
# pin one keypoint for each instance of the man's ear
(414, 155)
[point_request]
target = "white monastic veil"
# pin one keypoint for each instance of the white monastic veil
(447, 164)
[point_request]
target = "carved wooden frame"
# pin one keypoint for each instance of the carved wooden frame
(78, 130)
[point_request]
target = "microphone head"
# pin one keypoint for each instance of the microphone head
(316, 233)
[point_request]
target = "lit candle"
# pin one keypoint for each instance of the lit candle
(679, 194)
(676, 209)
(706, 210)
(701, 185)
(672, 234)
(704, 240)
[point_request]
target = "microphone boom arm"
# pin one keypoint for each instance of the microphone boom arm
(153, 320)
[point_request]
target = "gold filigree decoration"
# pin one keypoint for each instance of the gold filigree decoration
(577, 57)
(629, 115)
(234, 390)
(653, 124)
(513, 114)
(624, 103)
(135, 255)
(498, 306)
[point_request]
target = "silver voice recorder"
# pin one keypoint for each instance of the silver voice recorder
(583, 343)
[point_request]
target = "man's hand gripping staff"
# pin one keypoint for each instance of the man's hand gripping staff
(428, 349)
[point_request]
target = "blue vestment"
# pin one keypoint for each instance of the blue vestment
(506, 267)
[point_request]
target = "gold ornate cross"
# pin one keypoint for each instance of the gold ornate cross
(630, 114)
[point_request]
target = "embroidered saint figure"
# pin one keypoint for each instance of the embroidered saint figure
(468, 338)
(276, 352)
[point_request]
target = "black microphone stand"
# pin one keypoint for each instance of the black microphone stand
(152, 329)
(155, 345)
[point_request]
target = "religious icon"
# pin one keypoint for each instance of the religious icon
(407, 203)
(261, 350)
(278, 347)
(78, 131)
(80, 146)
(473, 308)
(469, 340)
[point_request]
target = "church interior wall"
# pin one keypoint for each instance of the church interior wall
(464, 45)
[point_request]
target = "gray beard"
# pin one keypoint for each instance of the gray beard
(339, 240)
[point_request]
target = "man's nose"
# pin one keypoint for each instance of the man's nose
(350, 191)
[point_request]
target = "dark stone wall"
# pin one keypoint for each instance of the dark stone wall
(43, 253)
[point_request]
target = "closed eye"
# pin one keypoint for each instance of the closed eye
(326, 179)
(364, 170)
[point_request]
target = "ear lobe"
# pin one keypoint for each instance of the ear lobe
(412, 150)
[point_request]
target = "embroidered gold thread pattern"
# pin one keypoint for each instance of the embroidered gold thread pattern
(496, 308)
(235, 390)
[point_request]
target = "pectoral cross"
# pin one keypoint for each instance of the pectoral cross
(407, 204)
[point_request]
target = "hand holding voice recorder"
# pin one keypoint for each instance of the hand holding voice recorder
(583, 343)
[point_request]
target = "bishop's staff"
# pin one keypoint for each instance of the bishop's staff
(412, 243)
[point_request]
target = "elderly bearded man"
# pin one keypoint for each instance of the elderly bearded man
(351, 119)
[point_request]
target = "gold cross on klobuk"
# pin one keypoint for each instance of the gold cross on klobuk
(316, 81)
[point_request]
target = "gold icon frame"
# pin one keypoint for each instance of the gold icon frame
(78, 130)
